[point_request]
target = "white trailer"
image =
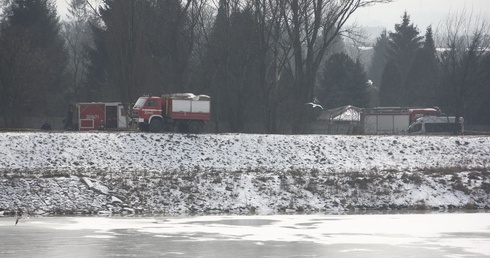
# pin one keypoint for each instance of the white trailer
(385, 121)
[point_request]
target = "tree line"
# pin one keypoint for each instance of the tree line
(259, 60)
(408, 69)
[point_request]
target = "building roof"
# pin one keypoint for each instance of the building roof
(345, 113)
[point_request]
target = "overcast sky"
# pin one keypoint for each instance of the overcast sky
(422, 12)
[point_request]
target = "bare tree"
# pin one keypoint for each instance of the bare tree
(274, 52)
(465, 39)
(312, 26)
(78, 38)
(172, 39)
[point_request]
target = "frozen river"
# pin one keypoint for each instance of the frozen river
(389, 235)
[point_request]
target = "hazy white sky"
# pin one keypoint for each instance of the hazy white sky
(422, 12)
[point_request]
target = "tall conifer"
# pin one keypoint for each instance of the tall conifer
(423, 74)
(343, 83)
(32, 61)
(404, 43)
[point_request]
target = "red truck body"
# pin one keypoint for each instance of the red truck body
(96, 116)
(415, 113)
(186, 111)
(91, 115)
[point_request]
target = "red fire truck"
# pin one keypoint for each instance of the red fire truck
(185, 111)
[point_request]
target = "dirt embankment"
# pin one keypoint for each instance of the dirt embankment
(246, 192)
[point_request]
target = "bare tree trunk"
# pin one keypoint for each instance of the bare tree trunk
(312, 28)
(462, 59)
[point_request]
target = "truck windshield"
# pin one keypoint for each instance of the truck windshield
(140, 103)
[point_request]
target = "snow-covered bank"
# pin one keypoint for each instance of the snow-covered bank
(236, 152)
(239, 173)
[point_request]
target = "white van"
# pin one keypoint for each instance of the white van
(436, 125)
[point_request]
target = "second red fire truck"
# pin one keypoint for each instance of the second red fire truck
(185, 111)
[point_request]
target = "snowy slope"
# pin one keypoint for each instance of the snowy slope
(239, 173)
(237, 152)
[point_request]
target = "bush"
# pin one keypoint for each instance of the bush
(459, 186)
(415, 178)
(421, 205)
(312, 187)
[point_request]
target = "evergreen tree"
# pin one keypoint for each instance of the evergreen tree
(121, 67)
(390, 91)
(379, 59)
(378, 63)
(404, 43)
(343, 83)
(32, 60)
(480, 108)
(171, 39)
(423, 74)
(142, 47)
(234, 64)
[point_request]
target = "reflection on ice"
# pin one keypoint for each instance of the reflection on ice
(449, 235)
(99, 236)
(468, 231)
(354, 250)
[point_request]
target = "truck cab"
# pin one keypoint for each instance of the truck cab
(145, 109)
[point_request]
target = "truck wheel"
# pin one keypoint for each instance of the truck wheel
(194, 127)
(156, 126)
(183, 127)
(143, 127)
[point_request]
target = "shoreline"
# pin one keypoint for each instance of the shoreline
(244, 193)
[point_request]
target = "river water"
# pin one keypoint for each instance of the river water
(374, 235)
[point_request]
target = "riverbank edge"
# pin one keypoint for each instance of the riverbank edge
(254, 191)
